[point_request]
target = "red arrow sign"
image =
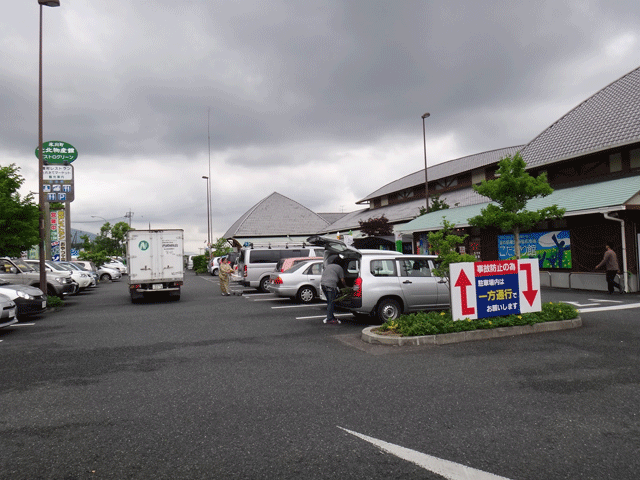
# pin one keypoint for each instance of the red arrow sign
(463, 282)
(529, 293)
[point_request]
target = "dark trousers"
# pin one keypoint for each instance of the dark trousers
(611, 281)
(330, 293)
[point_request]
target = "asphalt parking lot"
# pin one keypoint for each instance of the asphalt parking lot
(254, 387)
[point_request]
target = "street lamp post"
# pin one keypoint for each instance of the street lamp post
(208, 214)
(426, 178)
(41, 200)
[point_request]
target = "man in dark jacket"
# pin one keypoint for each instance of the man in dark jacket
(610, 263)
(331, 276)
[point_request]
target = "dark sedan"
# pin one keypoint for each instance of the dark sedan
(29, 300)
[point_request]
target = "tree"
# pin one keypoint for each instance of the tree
(110, 242)
(511, 191)
(376, 227)
(19, 216)
(444, 243)
(220, 247)
(435, 205)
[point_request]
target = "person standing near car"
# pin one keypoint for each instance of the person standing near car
(223, 276)
(610, 263)
(332, 275)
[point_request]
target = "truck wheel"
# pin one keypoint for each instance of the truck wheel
(388, 309)
(306, 294)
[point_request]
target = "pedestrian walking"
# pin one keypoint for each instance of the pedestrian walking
(610, 263)
(223, 275)
(332, 275)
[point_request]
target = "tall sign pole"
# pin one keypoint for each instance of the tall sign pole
(41, 203)
(43, 272)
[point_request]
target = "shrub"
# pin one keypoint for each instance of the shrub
(54, 302)
(434, 323)
(200, 263)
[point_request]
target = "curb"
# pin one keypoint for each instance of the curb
(469, 336)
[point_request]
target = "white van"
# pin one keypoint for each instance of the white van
(255, 264)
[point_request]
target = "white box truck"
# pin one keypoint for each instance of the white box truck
(156, 262)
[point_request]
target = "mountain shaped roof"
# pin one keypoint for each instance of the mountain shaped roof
(277, 215)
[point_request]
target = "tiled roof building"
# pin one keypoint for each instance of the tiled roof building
(591, 156)
(606, 120)
(276, 216)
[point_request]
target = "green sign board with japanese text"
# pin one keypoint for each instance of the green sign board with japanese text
(57, 152)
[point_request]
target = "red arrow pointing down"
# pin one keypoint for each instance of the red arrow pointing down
(463, 282)
(529, 293)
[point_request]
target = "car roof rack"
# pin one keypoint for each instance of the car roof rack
(270, 245)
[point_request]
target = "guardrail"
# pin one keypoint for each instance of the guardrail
(581, 280)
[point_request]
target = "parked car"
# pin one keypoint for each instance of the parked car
(232, 258)
(109, 274)
(213, 267)
(117, 265)
(190, 262)
(7, 311)
(285, 264)
(387, 284)
(58, 272)
(83, 279)
(301, 281)
(17, 271)
(86, 264)
(93, 277)
(256, 264)
(29, 300)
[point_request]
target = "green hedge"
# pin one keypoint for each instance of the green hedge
(434, 323)
(200, 263)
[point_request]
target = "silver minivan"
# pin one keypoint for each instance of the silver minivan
(385, 283)
(256, 264)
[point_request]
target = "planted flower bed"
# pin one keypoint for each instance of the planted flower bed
(435, 323)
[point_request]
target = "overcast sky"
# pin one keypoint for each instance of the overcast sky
(319, 101)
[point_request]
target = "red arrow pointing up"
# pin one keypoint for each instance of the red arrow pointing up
(529, 293)
(463, 282)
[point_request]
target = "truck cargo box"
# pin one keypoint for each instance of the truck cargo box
(156, 262)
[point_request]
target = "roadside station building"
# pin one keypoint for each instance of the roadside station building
(591, 157)
(592, 160)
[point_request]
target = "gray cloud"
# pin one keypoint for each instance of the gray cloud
(322, 87)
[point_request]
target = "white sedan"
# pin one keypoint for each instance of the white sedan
(82, 279)
(302, 281)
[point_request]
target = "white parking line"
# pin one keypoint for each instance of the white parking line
(274, 299)
(23, 325)
(604, 301)
(579, 305)
(613, 307)
(302, 305)
(446, 468)
(323, 316)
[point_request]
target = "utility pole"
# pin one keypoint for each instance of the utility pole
(129, 215)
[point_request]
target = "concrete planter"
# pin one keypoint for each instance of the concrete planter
(370, 337)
